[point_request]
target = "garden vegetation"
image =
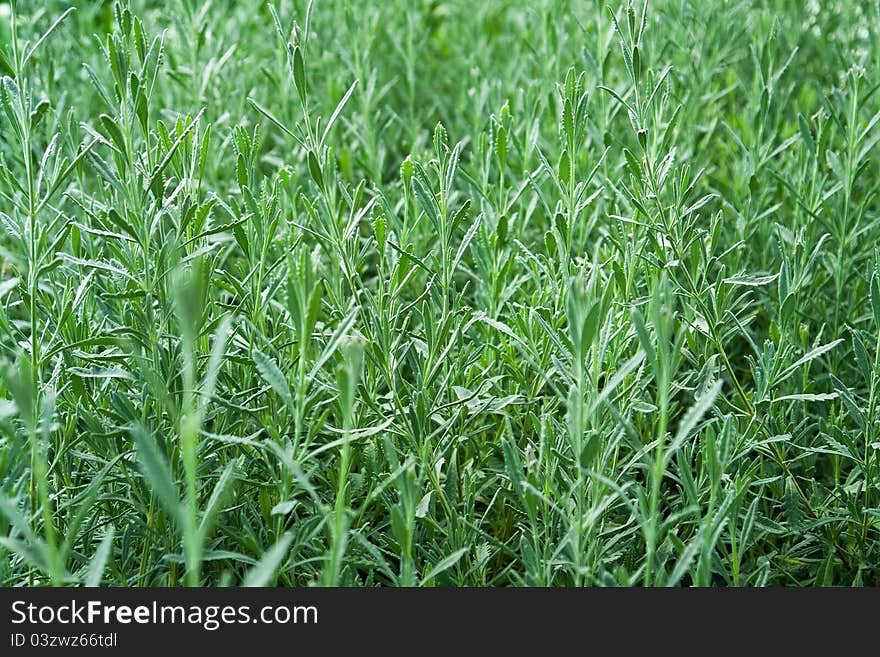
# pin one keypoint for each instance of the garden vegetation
(440, 293)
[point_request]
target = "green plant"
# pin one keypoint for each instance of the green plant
(439, 294)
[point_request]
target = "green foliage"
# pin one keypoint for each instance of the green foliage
(440, 294)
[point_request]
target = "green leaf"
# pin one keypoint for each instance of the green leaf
(643, 336)
(160, 168)
(115, 134)
(806, 134)
(634, 166)
(466, 241)
(263, 572)
(564, 168)
(273, 376)
(337, 111)
(222, 490)
(379, 232)
(751, 280)
(398, 525)
(849, 401)
(693, 417)
(550, 243)
(98, 562)
(427, 201)
(820, 396)
(444, 565)
(299, 74)
(33, 49)
(156, 472)
(423, 505)
(7, 286)
(806, 358)
(277, 122)
(875, 298)
(315, 170)
(501, 147)
(793, 506)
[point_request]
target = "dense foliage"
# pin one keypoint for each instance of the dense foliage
(440, 292)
